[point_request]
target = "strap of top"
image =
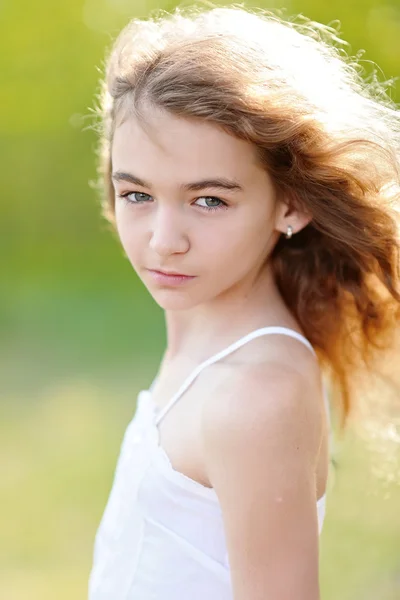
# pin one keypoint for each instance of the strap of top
(231, 348)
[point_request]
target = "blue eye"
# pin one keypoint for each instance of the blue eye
(211, 200)
(140, 197)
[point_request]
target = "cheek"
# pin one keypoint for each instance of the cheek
(229, 254)
(128, 234)
(244, 239)
(245, 246)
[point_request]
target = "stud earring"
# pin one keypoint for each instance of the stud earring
(289, 233)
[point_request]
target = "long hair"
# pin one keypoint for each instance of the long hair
(329, 139)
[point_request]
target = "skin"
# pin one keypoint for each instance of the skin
(270, 521)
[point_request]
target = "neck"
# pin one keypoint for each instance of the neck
(207, 328)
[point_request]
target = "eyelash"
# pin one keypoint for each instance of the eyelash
(223, 204)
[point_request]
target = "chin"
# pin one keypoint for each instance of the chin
(175, 300)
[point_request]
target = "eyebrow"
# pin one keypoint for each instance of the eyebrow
(219, 182)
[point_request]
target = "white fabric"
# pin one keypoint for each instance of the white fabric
(161, 536)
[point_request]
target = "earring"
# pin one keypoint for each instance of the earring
(289, 232)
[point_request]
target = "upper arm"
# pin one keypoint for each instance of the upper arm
(261, 442)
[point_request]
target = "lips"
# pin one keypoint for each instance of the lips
(170, 278)
(173, 273)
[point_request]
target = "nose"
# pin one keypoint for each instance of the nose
(168, 234)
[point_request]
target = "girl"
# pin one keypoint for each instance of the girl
(253, 180)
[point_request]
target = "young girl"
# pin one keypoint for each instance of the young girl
(253, 180)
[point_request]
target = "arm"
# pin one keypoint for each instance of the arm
(261, 440)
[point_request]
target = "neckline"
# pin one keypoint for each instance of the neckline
(272, 329)
(179, 477)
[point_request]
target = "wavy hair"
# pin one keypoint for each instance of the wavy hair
(328, 137)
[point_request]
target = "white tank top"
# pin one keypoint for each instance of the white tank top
(161, 536)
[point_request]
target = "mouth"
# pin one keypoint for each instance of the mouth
(169, 273)
(169, 277)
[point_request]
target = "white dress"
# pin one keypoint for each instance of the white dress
(161, 536)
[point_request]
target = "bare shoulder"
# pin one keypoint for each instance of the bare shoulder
(274, 399)
(261, 435)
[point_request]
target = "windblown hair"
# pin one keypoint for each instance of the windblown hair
(328, 137)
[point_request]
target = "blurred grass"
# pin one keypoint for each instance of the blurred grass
(59, 453)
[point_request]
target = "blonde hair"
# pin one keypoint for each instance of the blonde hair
(329, 140)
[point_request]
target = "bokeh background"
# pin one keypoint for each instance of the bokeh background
(80, 336)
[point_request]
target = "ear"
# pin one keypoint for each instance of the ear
(288, 214)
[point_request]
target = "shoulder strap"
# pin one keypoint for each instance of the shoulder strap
(219, 355)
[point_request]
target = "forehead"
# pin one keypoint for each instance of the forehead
(181, 147)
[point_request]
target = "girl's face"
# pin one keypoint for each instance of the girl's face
(191, 199)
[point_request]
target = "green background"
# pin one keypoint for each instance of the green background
(80, 336)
